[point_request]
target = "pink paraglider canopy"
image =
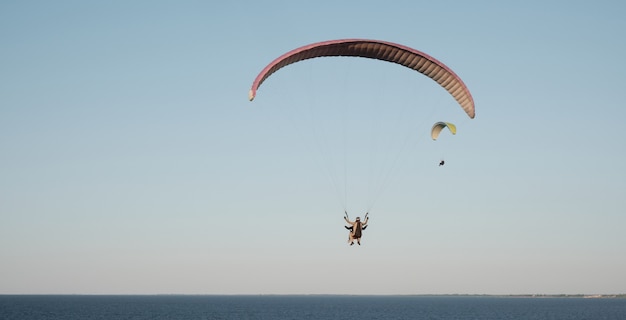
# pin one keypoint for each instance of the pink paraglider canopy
(380, 50)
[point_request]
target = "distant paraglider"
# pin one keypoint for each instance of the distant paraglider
(436, 130)
(437, 127)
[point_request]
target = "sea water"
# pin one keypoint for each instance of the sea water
(84, 307)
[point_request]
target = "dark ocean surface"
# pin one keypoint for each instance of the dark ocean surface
(84, 307)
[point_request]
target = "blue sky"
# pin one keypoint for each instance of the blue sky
(132, 161)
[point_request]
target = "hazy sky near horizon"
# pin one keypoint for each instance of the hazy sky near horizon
(132, 162)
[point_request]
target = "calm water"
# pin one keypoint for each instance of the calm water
(307, 307)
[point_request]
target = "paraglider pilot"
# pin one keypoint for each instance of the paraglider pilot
(356, 228)
(442, 163)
